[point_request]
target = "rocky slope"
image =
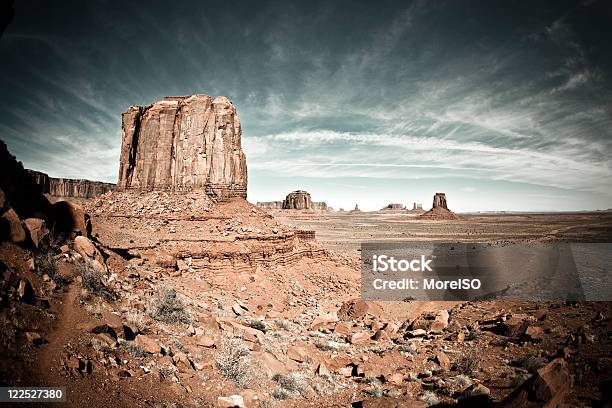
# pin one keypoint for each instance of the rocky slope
(182, 144)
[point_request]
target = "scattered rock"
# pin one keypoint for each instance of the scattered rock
(13, 229)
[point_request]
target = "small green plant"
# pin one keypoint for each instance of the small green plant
(46, 263)
(281, 394)
(168, 307)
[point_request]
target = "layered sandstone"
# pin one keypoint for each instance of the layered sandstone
(297, 200)
(439, 210)
(321, 206)
(183, 143)
(69, 188)
(393, 207)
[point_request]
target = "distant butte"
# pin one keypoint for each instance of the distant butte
(440, 210)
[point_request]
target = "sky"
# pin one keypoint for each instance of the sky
(503, 105)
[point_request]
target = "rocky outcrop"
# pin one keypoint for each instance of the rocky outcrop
(181, 144)
(439, 210)
(270, 205)
(60, 187)
(439, 200)
(393, 207)
(69, 188)
(297, 200)
(417, 207)
(320, 206)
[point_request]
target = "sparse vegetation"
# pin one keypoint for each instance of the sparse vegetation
(468, 363)
(429, 398)
(327, 345)
(137, 319)
(133, 349)
(293, 382)
(233, 361)
(168, 307)
(257, 325)
(474, 333)
(281, 394)
(283, 324)
(91, 280)
(166, 371)
(461, 381)
(45, 261)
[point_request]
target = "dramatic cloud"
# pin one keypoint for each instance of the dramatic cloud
(500, 105)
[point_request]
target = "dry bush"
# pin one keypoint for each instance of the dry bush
(429, 398)
(234, 362)
(92, 281)
(133, 349)
(293, 382)
(168, 307)
(468, 363)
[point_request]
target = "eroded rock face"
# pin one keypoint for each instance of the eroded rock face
(320, 206)
(76, 188)
(297, 200)
(181, 144)
(439, 200)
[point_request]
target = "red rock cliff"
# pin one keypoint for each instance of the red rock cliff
(181, 144)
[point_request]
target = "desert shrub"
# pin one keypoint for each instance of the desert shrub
(44, 258)
(531, 362)
(166, 371)
(133, 349)
(327, 345)
(461, 381)
(474, 333)
(258, 325)
(281, 394)
(92, 281)
(375, 390)
(168, 307)
(283, 324)
(293, 382)
(137, 319)
(429, 398)
(233, 361)
(468, 363)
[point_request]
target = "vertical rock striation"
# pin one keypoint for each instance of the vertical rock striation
(69, 188)
(182, 143)
(439, 200)
(297, 200)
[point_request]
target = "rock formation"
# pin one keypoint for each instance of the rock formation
(393, 207)
(270, 205)
(439, 210)
(439, 200)
(297, 200)
(183, 143)
(321, 206)
(70, 188)
(417, 206)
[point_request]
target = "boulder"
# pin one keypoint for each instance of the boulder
(37, 229)
(71, 219)
(358, 308)
(431, 322)
(148, 344)
(547, 387)
(11, 228)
